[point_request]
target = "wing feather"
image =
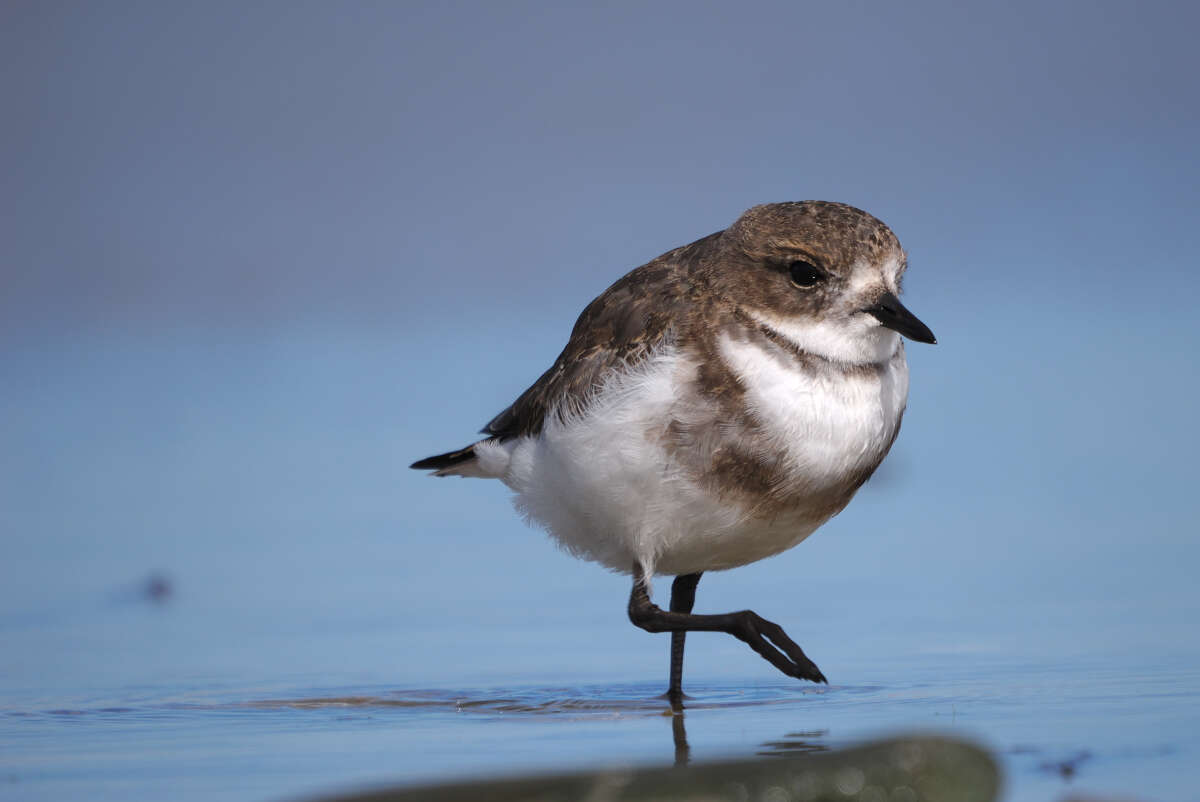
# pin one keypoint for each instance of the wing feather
(621, 327)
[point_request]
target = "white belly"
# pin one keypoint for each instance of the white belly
(605, 487)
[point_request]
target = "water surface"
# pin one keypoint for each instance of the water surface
(220, 581)
(1055, 729)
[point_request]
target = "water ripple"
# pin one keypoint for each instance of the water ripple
(638, 699)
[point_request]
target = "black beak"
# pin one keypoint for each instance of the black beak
(891, 313)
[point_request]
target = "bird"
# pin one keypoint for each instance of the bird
(712, 408)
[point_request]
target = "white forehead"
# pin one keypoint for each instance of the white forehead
(866, 275)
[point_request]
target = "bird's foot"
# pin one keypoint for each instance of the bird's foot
(773, 644)
(675, 699)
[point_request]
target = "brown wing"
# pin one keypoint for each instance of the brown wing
(620, 327)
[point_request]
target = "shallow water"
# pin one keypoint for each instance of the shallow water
(1109, 731)
(220, 581)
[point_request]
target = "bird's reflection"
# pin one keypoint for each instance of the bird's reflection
(683, 752)
(790, 745)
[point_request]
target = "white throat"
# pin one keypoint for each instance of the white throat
(859, 340)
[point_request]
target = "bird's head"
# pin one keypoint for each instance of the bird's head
(825, 275)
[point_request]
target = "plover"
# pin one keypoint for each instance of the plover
(714, 407)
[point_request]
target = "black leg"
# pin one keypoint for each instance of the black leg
(763, 636)
(683, 597)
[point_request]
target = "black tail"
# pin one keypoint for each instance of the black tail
(447, 460)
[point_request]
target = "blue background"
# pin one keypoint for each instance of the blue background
(257, 258)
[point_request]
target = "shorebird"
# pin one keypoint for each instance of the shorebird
(713, 407)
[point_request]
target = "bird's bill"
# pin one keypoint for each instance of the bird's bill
(893, 314)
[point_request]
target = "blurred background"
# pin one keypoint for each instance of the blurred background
(257, 258)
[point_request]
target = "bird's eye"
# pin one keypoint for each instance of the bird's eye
(804, 274)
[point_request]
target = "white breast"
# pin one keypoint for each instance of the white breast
(830, 424)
